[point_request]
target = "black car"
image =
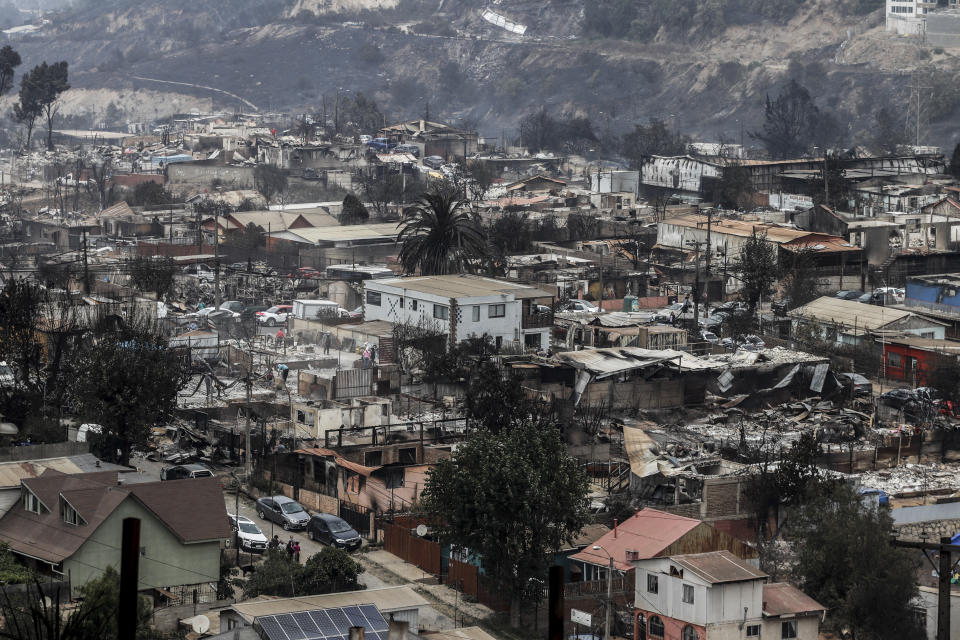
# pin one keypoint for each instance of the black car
(182, 471)
(329, 529)
(434, 162)
(284, 511)
(849, 295)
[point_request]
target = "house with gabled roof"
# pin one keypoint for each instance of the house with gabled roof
(70, 526)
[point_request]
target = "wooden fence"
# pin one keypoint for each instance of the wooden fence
(468, 579)
(401, 542)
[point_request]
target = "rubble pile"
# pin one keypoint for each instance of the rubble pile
(912, 478)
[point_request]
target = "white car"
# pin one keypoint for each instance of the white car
(582, 306)
(275, 315)
(247, 533)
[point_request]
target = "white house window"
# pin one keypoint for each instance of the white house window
(69, 514)
(753, 631)
(655, 627)
(653, 583)
(688, 594)
(413, 305)
(31, 502)
(689, 633)
(788, 629)
(497, 311)
(476, 313)
(441, 312)
(373, 298)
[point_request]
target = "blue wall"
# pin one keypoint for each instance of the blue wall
(933, 293)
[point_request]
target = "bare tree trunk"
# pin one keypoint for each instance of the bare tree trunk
(515, 612)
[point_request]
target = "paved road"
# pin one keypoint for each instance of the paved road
(307, 546)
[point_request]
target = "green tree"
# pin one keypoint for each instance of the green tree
(495, 401)
(790, 122)
(153, 274)
(31, 618)
(28, 107)
(757, 268)
(9, 61)
(329, 571)
(126, 381)
(437, 234)
(513, 498)
(47, 82)
(11, 571)
(353, 211)
(248, 239)
(845, 561)
(800, 280)
(270, 181)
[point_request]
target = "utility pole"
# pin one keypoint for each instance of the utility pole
(608, 611)
(247, 461)
(129, 570)
(216, 257)
(696, 284)
(944, 571)
(826, 186)
(916, 87)
(709, 225)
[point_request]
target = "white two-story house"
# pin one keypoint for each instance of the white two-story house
(718, 596)
(464, 306)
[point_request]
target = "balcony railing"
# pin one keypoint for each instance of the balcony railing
(537, 320)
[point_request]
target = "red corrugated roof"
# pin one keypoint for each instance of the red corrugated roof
(648, 533)
(780, 598)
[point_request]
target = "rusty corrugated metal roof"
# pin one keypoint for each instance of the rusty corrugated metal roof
(717, 567)
(780, 598)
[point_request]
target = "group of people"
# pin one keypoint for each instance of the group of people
(292, 547)
(369, 355)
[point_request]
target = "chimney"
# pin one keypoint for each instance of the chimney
(398, 630)
(423, 125)
(358, 633)
(614, 528)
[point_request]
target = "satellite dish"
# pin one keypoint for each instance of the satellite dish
(421, 530)
(199, 624)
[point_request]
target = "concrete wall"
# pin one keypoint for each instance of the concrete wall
(165, 563)
(192, 173)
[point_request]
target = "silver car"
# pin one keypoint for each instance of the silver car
(282, 510)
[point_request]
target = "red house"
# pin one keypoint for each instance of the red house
(911, 358)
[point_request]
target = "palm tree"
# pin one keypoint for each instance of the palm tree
(438, 234)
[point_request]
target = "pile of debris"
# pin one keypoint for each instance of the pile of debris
(914, 479)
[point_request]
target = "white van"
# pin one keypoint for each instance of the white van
(317, 309)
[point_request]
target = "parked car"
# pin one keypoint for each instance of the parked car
(709, 336)
(252, 311)
(861, 386)
(434, 162)
(357, 313)
(275, 315)
(310, 174)
(329, 529)
(714, 322)
(183, 471)
(283, 511)
(248, 535)
(668, 314)
(581, 306)
(412, 149)
(874, 497)
(849, 295)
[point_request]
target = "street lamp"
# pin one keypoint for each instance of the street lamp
(609, 607)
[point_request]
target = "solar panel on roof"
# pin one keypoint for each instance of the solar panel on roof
(375, 617)
(324, 624)
(307, 625)
(357, 619)
(339, 619)
(271, 628)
